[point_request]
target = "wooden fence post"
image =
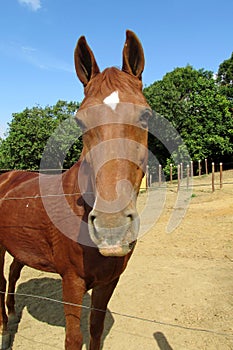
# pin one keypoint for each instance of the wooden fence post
(199, 167)
(160, 174)
(213, 188)
(147, 177)
(187, 174)
(178, 177)
(170, 173)
(181, 171)
(220, 175)
(206, 167)
(191, 170)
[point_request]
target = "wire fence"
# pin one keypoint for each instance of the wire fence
(124, 315)
(184, 180)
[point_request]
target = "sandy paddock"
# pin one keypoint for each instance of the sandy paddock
(182, 281)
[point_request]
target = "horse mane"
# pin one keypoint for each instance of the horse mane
(112, 79)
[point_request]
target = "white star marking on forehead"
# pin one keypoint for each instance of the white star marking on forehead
(112, 100)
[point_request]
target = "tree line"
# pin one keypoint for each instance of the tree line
(198, 104)
(30, 131)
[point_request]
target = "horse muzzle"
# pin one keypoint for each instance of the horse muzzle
(114, 234)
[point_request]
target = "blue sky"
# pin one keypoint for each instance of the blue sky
(37, 40)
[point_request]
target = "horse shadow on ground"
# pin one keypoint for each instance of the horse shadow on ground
(49, 311)
(162, 341)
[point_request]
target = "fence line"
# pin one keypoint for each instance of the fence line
(133, 317)
(188, 173)
(182, 173)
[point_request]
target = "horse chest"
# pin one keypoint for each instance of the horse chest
(103, 270)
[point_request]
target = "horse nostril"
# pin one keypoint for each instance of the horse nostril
(92, 219)
(130, 217)
(133, 220)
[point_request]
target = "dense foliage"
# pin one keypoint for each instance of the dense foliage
(29, 132)
(193, 103)
(225, 77)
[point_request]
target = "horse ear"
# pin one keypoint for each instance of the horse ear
(133, 55)
(85, 63)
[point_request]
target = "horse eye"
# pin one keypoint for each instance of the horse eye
(144, 118)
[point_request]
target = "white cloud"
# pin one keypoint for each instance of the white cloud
(35, 57)
(33, 4)
(43, 60)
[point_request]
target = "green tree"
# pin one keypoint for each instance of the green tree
(192, 102)
(225, 78)
(225, 71)
(30, 130)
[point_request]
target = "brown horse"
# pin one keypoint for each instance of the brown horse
(83, 223)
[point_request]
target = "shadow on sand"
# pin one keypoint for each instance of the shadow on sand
(48, 311)
(162, 341)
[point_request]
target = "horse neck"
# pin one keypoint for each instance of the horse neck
(78, 178)
(70, 179)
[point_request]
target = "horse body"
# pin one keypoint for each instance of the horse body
(48, 222)
(37, 243)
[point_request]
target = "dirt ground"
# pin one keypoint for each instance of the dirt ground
(178, 287)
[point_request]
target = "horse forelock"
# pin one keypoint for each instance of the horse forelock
(110, 80)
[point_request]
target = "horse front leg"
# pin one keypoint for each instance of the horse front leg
(99, 301)
(74, 289)
(4, 334)
(14, 274)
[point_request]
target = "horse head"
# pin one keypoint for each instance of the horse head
(114, 120)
